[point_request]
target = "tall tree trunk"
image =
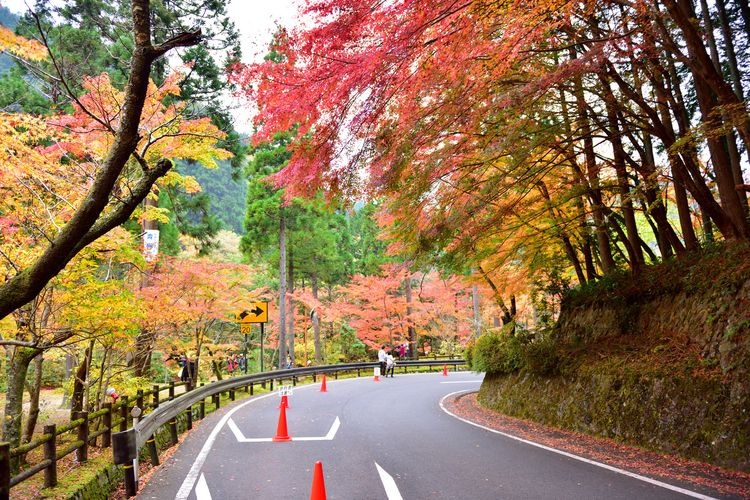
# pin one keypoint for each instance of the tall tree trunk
(745, 11)
(412, 332)
(477, 312)
(714, 95)
(623, 186)
(79, 382)
(563, 234)
(282, 289)
(34, 388)
(509, 314)
(578, 205)
(731, 55)
(70, 363)
(678, 181)
(17, 368)
(290, 311)
(316, 321)
(592, 177)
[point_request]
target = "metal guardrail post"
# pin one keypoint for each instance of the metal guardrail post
(173, 431)
(189, 414)
(124, 451)
(50, 453)
(153, 453)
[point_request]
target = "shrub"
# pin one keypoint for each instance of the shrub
(494, 353)
(469, 354)
(540, 356)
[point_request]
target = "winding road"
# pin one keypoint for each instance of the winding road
(391, 439)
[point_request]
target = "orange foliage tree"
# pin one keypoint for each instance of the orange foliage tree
(191, 305)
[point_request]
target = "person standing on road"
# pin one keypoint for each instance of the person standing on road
(382, 359)
(389, 364)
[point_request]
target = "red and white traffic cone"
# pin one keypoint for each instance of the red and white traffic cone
(323, 384)
(284, 401)
(376, 371)
(282, 434)
(445, 370)
(318, 491)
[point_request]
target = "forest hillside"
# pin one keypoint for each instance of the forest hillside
(661, 361)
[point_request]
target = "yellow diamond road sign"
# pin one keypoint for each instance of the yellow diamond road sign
(256, 313)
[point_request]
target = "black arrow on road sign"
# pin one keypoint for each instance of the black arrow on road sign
(257, 311)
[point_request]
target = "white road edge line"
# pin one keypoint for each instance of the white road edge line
(201, 489)
(391, 489)
(200, 459)
(462, 382)
(575, 457)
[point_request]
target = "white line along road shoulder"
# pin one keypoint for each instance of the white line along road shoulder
(575, 457)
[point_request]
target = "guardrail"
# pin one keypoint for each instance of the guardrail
(127, 443)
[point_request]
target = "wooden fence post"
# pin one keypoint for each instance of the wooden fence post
(107, 419)
(124, 413)
(156, 396)
(171, 390)
(4, 471)
(82, 453)
(50, 453)
(139, 399)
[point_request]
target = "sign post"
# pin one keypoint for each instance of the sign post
(256, 313)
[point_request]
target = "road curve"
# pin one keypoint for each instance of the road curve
(377, 440)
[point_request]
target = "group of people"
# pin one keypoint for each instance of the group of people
(236, 362)
(386, 359)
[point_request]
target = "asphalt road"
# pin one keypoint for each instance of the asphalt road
(393, 440)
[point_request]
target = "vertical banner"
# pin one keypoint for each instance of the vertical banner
(150, 244)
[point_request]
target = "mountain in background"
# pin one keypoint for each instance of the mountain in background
(227, 195)
(9, 20)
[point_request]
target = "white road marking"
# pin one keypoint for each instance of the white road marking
(200, 459)
(461, 382)
(201, 489)
(575, 457)
(242, 439)
(391, 490)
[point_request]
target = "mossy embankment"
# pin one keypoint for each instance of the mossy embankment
(661, 361)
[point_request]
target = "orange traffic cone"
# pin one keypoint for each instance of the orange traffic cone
(318, 484)
(377, 374)
(323, 384)
(282, 434)
(284, 401)
(445, 370)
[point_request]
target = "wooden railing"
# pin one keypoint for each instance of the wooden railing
(112, 425)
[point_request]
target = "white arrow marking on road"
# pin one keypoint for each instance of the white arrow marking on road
(201, 489)
(391, 490)
(242, 439)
